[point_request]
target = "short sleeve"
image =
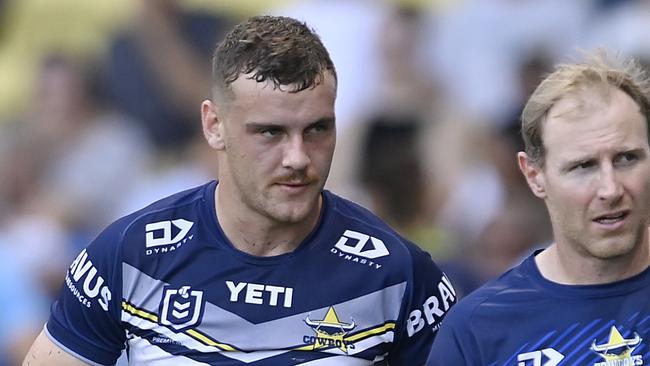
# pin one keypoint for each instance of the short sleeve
(446, 349)
(454, 344)
(85, 319)
(428, 298)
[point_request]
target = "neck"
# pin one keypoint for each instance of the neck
(253, 233)
(563, 266)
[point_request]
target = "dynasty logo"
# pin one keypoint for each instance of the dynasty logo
(330, 332)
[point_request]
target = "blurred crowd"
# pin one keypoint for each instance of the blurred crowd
(100, 115)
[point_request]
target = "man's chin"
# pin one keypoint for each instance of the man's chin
(615, 247)
(293, 215)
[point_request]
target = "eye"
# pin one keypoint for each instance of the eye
(626, 158)
(583, 165)
(270, 131)
(316, 129)
(579, 166)
(319, 128)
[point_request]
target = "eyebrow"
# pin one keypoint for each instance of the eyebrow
(636, 150)
(570, 163)
(255, 126)
(325, 120)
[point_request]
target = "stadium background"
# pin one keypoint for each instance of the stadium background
(99, 115)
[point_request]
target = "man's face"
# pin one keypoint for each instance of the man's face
(596, 178)
(278, 148)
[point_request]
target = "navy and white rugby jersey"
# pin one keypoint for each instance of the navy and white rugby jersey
(523, 319)
(166, 283)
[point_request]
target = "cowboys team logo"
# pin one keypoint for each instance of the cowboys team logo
(618, 350)
(330, 332)
(181, 308)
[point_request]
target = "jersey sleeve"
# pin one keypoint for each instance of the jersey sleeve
(455, 343)
(447, 348)
(85, 319)
(428, 297)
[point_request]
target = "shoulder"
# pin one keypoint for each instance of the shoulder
(361, 225)
(505, 291)
(157, 223)
(364, 237)
(180, 202)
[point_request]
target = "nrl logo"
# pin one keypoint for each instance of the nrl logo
(330, 332)
(181, 308)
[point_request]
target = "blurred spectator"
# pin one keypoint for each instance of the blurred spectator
(531, 71)
(392, 171)
(24, 309)
(75, 129)
(623, 28)
(482, 185)
(166, 178)
(156, 69)
(459, 156)
(396, 80)
(40, 245)
(351, 30)
(407, 81)
(70, 161)
(31, 29)
(477, 45)
(520, 227)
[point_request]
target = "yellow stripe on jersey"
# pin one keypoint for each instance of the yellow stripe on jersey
(370, 332)
(139, 312)
(190, 332)
(208, 341)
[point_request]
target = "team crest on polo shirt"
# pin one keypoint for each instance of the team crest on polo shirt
(181, 308)
(618, 350)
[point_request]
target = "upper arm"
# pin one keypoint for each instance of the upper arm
(447, 349)
(85, 318)
(456, 342)
(45, 352)
(428, 298)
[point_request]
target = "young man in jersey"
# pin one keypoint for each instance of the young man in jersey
(263, 267)
(584, 300)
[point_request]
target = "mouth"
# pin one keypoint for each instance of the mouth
(612, 218)
(294, 187)
(293, 184)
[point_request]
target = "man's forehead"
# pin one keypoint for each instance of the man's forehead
(580, 103)
(588, 122)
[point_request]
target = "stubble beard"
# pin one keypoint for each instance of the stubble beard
(606, 248)
(277, 209)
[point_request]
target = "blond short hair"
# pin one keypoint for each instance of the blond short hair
(600, 70)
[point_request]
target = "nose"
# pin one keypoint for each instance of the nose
(295, 154)
(609, 186)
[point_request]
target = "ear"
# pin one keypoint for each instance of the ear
(213, 128)
(533, 173)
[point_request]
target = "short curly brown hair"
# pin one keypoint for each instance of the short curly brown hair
(280, 49)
